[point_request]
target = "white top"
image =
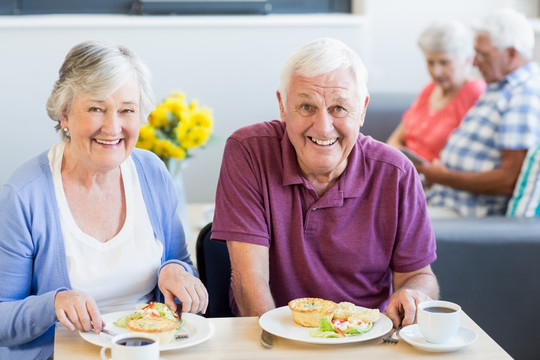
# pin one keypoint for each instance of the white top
(122, 271)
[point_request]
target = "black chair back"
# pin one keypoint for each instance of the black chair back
(214, 268)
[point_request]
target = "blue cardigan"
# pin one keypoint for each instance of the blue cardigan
(32, 255)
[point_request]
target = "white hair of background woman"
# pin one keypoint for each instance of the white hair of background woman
(448, 36)
(98, 68)
(320, 57)
(508, 28)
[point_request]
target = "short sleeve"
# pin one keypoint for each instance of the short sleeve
(525, 200)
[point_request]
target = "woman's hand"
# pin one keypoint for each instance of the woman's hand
(77, 311)
(175, 281)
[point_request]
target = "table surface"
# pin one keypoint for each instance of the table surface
(238, 338)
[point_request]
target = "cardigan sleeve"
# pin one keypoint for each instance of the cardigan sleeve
(25, 316)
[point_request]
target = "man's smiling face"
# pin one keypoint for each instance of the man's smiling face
(323, 116)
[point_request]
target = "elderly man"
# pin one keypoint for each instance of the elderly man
(309, 207)
(481, 162)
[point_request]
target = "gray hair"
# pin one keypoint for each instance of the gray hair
(320, 57)
(508, 28)
(448, 36)
(98, 68)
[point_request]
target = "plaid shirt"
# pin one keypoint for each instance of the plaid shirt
(507, 116)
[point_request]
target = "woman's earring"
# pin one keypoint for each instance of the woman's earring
(66, 131)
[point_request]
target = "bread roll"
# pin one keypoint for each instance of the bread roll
(344, 310)
(365, 316)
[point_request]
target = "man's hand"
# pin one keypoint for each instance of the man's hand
(410, 289)
(402, 306)
(175, 281)
(434, 172)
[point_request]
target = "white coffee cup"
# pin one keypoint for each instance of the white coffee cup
(438, 320)
(131, 346)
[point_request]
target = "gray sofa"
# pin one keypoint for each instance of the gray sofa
(384, 114)
(489, 266)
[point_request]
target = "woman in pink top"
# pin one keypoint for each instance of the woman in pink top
(438, 110)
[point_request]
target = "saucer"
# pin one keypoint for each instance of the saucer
(412, 335)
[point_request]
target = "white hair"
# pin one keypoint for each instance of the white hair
(508, 28)
(99, 68)
(320, 57)
(448, 36)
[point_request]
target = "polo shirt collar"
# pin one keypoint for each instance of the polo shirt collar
(291, 173)
(352, 180)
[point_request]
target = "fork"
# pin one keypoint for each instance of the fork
(393, 337)
(180, 333)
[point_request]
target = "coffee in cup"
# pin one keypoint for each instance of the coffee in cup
(140, 346)
(438, 320)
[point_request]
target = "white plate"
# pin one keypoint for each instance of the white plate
(412, 335)
(199, 329)
(280, 322)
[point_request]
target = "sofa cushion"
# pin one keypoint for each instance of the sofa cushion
(525, 201)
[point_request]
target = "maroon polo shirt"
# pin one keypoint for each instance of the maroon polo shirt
(342, 246)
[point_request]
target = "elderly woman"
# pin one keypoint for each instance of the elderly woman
(90, 226)
(438, 110)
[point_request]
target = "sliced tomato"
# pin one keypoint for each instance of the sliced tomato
(149, 306)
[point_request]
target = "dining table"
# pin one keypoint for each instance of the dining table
(239, 338)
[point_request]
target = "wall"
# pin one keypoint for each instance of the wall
(397, 64)
(230, 64)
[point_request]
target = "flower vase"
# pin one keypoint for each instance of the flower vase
(176, 169)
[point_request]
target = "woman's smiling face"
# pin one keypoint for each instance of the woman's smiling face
(323, 116)
(103, 132)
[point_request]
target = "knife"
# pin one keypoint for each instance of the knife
(266, 339)
(108, 333)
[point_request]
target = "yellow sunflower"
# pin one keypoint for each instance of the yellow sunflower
(147, 137)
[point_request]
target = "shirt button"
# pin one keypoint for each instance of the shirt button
(314, 209)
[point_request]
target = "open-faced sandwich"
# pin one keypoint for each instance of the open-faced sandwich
(163, 328)
(155, 318)
(331, 319)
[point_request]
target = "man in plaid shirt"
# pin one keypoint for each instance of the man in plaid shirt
(481, 161)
